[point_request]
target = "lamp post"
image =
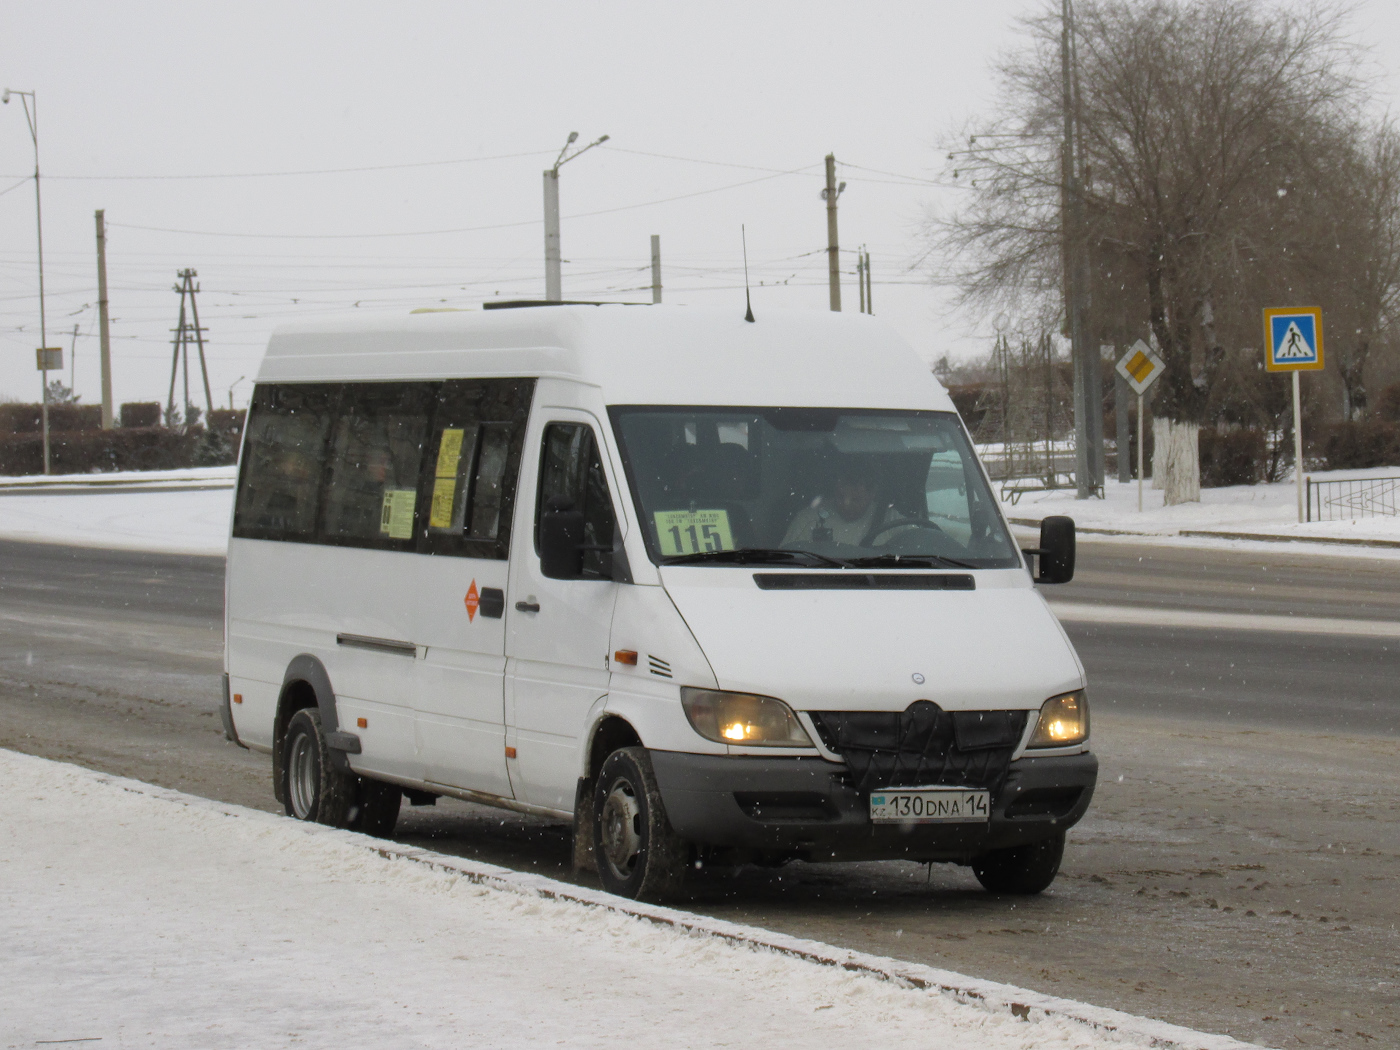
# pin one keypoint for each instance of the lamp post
(31, 116)
(553, 291)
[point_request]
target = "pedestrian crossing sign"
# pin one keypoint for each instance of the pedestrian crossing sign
(1293, 336)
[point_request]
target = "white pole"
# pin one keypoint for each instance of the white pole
(1298, 444)
(552, 283)
(1139, 453)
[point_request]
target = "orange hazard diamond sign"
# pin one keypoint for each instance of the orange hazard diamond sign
(472, 601)
(1140, 367)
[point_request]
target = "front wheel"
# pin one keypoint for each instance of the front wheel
(637, 852)
(1022, 870)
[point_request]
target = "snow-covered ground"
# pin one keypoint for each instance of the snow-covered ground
(180, 511)
(1269, 510)
(188, 511)
(142, 917)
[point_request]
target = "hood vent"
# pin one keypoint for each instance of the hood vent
(863, 581)
(658, 666)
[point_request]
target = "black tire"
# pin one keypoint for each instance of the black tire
(313, 788)
(1022, 870)
(637, 852)
(378, 808)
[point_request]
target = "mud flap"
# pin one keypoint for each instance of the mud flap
(583, 827)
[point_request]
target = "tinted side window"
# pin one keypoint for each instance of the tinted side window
(572, 471)
(473, 464)
(279, 484)
(373, 463)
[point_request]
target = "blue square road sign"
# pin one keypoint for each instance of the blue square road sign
(1293, 339)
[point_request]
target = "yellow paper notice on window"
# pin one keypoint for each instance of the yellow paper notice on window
(693, 531)
(449, 454)
(396, 519)
(444, 489)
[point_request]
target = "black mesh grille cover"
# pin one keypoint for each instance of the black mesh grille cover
(923, 745)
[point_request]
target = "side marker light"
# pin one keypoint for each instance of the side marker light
(625, 656)
(363, 723)
(510, 752)
(238, 698)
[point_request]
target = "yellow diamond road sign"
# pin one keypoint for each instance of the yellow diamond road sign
(1140, 367)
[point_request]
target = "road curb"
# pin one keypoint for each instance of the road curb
(992, 996)
(1260, 537)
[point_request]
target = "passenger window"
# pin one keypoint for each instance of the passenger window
(374, 464)
(572, 471)
(280, 480)
(472, 466)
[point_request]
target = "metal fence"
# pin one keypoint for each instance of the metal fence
(1346, 498)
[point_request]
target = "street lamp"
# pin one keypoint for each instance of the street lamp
(552, 285)
(31, 116)
(230, 391)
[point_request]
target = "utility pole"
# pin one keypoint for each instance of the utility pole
(104, 332)
(187, 332)
(656, 267)
(870, 286)
(860, 277)
(1088, 396)
(553, 283)
(833, 248)
(30, 101)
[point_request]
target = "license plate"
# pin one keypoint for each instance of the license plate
(929, 806)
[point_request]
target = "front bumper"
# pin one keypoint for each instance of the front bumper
(804, 807)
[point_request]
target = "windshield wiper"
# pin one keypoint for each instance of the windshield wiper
(911, 561)
(755, 556)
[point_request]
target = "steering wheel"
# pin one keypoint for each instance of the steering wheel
(917, 523)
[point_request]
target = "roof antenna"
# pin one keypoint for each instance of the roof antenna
(748, 303)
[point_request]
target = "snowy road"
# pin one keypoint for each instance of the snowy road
(1234, 879)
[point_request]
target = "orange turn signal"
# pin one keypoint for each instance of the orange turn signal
(625, 656)
(363, 723)
(238, 698)
(510, 752)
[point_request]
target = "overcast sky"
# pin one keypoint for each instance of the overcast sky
(182, 119)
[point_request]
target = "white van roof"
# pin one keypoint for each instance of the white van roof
(637, 355)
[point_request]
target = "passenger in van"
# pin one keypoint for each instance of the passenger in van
(851, 514)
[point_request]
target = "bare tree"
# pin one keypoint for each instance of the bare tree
(1205, 127)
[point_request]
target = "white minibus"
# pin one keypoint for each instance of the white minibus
(715, 590)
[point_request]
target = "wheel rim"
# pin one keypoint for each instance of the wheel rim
(622, 829)
(303, 776)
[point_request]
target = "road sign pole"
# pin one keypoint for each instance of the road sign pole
(1139, 453)
(1298, 445)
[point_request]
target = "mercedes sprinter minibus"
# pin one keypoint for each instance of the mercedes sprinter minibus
(713, 590)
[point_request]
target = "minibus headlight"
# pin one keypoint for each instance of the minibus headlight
(743, 719)
(1064, 720)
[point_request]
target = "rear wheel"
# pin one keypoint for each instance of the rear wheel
(378, 808)
(637, 852)
(1023, 870)
(314, 789)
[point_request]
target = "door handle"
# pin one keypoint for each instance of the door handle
(527, 606)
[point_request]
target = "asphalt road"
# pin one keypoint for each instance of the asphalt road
(1236, 871)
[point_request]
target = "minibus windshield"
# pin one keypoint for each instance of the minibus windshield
(818, 487)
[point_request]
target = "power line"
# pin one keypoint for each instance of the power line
(282, 174)
(460, 229)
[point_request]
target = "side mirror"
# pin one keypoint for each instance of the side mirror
(1056, 550)
(561, 541)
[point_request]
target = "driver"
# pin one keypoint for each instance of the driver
(849, 515)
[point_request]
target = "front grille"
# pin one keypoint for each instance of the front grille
(923, 745)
